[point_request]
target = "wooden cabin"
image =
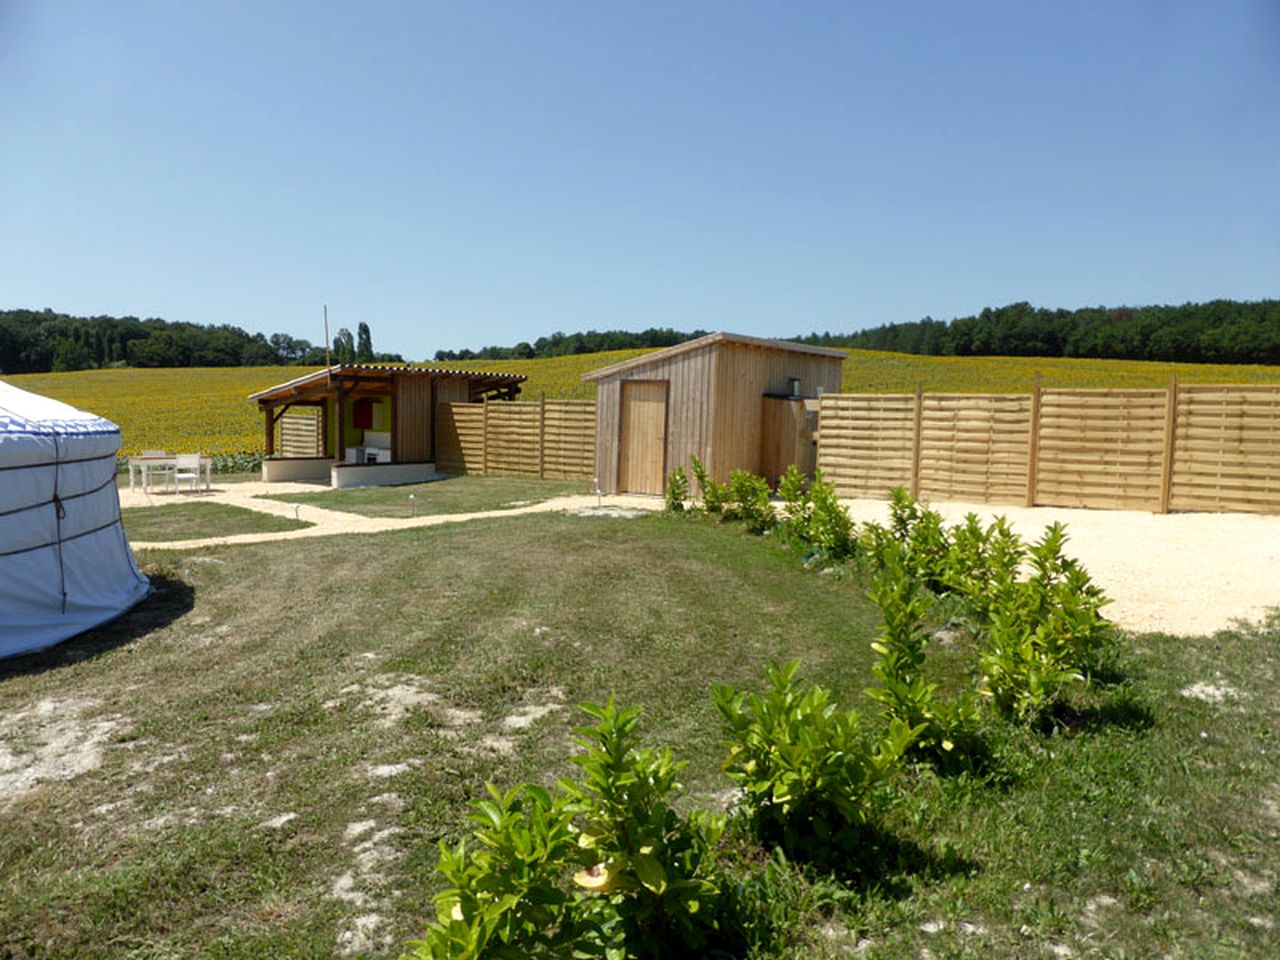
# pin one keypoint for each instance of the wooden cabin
(735, 402)
(359, 425)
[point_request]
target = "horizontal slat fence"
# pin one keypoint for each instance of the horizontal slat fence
(1227, 449)
(1101, 449)
(1207, 448)
(301, 435)
(974, 448)
(551, 438)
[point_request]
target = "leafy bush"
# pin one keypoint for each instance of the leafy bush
(677, 490)
(749, 501)
(813, 518)
(505, 896)
(714, 494)
(903, 690)
(807, 771)
(647, 885)
(653, 868)
(1045, 632)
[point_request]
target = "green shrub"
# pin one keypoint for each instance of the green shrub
(807, 772)
(813, 518)
(506, 895)
(749, 501)
(653, 869)
(714, 494)
(903, 691)
(647, 886)
(677, 490)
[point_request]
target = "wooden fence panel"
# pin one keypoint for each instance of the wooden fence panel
(1227, 449)
(569, 440)
(866, 442)
(460, 437)
(555, 439)
(301, 434)
(1101, 448)
(974, 447)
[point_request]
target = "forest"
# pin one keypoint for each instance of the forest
(562, 345)
(42, 341)
(1220, 331)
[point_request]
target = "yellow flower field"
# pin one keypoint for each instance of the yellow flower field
(206, 410)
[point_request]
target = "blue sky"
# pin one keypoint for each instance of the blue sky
(465, 174)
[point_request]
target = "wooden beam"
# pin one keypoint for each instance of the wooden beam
(917, 440)
(1170, 438)
(542, 436)
(1033, 445)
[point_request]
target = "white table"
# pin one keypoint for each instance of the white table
(144, 467)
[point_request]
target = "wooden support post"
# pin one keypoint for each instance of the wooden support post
(1170, 438)
(542, 436)
(484, 440)
(1033, 444)
(270, 436)
(342, 427)
(917, 442)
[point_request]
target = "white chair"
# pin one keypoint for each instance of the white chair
(165, 470)
(187, 468)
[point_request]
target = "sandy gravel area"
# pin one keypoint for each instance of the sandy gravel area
(1184, 573)
(1180, 573)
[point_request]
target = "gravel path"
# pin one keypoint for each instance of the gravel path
(1185, 574)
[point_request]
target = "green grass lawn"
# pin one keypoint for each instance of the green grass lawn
(273, 744)
(464, 494)
(172, 522)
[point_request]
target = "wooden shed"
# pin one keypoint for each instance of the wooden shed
(365, 424)
(735, 402)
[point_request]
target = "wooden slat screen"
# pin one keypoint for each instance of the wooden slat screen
(301, 434)
(1101, 448)
(1214, 448)
(1227, 449)
(865, 442)
(974, 447)
(555, 439)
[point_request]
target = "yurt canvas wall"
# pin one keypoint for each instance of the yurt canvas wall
(65, 565)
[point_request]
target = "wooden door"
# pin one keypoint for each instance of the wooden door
(642, 447)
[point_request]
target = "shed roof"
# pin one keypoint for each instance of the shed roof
(712, 339)
(377, 378)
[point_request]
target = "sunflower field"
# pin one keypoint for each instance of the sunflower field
(206, 409)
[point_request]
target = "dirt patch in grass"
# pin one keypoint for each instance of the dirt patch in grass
(51, 740)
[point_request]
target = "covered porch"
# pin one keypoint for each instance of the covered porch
(356, 425)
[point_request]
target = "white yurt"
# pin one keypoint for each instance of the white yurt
(65, 565)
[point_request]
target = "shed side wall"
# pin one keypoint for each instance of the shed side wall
(747, 373)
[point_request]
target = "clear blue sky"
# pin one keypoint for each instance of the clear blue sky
(476, 173)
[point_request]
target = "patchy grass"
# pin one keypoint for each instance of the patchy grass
(194, 521)
(464, 494)
(285, 730)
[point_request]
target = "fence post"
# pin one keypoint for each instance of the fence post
(916, 442)
(1170, 437)
(1033, 443)
(542, 435)
(484, 440)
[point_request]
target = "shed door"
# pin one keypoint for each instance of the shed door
(642, 447)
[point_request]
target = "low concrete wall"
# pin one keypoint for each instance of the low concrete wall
(301, 469)
(343, 475)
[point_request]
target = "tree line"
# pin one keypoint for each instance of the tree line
(40, 341)
(562, 345)
(1220, 331)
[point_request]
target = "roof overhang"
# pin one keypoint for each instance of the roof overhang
(369, 380)
(712, 339)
